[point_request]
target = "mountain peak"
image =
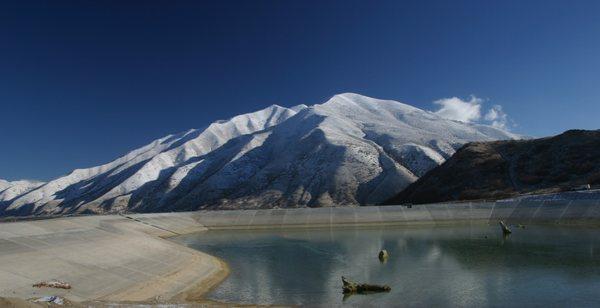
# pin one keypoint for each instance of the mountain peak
(274, 107)
(299, 107)
(361, 106)
(350, 95)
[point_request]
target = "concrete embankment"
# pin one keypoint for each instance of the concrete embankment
(566, 212)
(125, 258)
(106, 258)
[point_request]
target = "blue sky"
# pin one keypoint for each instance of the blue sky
(83, 82)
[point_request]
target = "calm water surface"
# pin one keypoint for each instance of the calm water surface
(428, 266)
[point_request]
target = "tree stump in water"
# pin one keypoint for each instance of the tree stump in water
(505, 229)
(383, 255)
(352, 287)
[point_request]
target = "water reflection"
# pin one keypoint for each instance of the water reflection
(444, 266)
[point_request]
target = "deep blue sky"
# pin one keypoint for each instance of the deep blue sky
(84, 82)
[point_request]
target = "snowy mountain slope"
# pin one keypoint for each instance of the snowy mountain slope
(4, 184)
(10, 190)
(350, 150)
(129, 172)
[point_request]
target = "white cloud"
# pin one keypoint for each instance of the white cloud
(497, 117)
(470, 111)
(457, 109)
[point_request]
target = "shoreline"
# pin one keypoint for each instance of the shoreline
(198, 291)
(129, 259)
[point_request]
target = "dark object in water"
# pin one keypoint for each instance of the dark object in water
(505, 229)
(352, 287)
(383, 255)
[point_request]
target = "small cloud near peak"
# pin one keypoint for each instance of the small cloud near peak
(457, 109)
(497, 117)
(470, 111)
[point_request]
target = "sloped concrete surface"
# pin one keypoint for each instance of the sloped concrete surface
(112, 258)
(514, 211)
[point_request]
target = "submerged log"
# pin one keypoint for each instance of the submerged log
(350, 287)
(505, 229)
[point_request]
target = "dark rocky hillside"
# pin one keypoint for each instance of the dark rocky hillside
(493, 170)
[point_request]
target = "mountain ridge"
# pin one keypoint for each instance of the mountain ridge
(502, 169)
(349, 150)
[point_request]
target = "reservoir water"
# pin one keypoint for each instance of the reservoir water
(466, 266)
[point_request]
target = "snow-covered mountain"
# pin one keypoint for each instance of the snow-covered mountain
(350, 150)
(11, 190)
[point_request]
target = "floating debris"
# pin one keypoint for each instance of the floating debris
(383, 255)
(350, 287)
(505, 229)
(50, 299)
(53, 284)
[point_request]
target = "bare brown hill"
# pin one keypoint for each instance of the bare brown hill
(494, 170)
